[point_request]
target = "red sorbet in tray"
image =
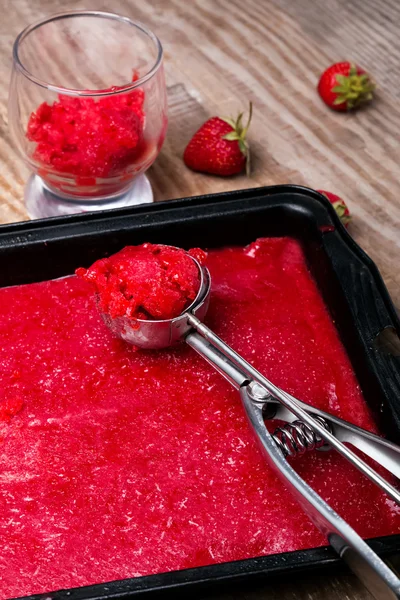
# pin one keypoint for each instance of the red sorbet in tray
(118, 463)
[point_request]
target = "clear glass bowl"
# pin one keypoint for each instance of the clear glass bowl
(87, 103)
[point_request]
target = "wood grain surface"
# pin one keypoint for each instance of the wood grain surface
(219, 54)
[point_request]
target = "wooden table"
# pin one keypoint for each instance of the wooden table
(219, 54)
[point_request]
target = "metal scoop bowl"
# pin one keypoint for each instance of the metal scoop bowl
(158, 334)
(307, 428)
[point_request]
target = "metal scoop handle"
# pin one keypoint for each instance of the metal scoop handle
(377, 577)
(380, 450)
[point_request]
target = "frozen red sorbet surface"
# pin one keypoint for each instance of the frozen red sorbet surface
(122, 463)
(151, 281)
(89, 138)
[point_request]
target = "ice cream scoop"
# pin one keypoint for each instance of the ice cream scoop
(307, 428)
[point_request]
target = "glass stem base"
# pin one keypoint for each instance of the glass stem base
(41, 203)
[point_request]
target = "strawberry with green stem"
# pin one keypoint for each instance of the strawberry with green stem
(220, 146)
(345, 86)
(339, 205)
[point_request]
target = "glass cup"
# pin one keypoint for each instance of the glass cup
(87, 109)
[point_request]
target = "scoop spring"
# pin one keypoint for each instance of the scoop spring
(294, 439)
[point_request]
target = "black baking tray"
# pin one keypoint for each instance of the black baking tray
(348, 280)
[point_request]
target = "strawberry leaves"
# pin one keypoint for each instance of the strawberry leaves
(353, 89)
(239, 134)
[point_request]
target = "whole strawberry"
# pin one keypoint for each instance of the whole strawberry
(345, 86)
(219, 147)
(339, 205)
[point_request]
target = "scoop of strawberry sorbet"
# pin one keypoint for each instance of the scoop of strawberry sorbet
(150, 281)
